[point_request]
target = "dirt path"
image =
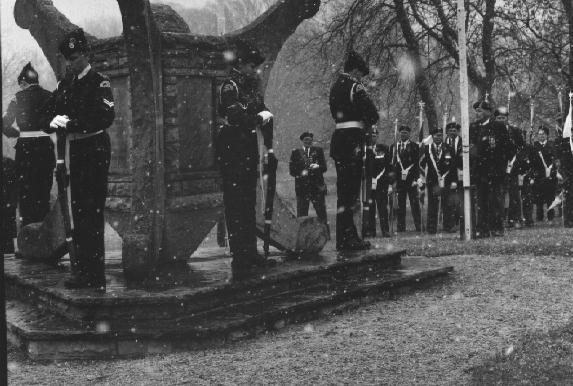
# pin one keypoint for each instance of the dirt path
(430, 337)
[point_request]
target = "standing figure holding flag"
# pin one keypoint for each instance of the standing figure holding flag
(354, 113)
(242, 110)
(408, 178)
(81, 109)
(566, 166)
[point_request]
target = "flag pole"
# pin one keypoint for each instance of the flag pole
(465, 121)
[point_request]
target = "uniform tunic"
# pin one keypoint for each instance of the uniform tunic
(309, 183)
(352, 111)
(406, 160)
(452, 208)
(545, 186)
(382, 177)
(35, 159)
(237, 153)
(88, 101)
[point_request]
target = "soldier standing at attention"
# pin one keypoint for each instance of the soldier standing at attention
(382, 180)
(35, 159)
(240, 107)
(491, 152)
(455, 194)
(406, 158)
(83, 107)
(545, 174)
(307, 165)
(354, 113)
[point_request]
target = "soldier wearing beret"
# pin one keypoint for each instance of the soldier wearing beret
(307, 165)
(241, 111)
(83, 107)
(406, 158)
(441, 176)
(35, 160)
(544, 172)
(452, 207)
(491, 150)
(511, 186)
(354, 113)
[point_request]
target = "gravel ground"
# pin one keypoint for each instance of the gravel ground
(433, 337)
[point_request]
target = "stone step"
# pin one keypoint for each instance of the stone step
(44, 335)
(208, 285)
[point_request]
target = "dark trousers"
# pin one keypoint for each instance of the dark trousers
(544, 191)
(452, 207)
(348, 178)
(380, 203)
(435, 194)
(239, 197)
(405, 188)
(527, 200)
(512, 189)
(89, 166)
(35, 162)
(318, 202)
(490, 205)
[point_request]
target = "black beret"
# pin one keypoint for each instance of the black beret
(355, 62)
(483, 105)
(501, 110)
(28, 74)
(544, 128)
(404, 128)
(306, 134)
(453, 125)
(435, 130)
(74, 42)
(246, 53)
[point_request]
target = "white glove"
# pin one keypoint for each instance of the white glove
(559, 176)
(420, 182)
(265, 116)
(59, 121)
(454, 185)
(314, 166)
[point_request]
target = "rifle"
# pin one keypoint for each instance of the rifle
(392, 189)
(531, 118)
(268, 176)
(62, 179)
(366, 187)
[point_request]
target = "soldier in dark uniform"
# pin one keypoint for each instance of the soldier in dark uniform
(382, 175)
(241, 109)
(491, 152)
(35, 159)
(545, 173)
(525, 182)
(9, 200)
(452, 208)
(511, 187)
(441, 174)
(565, 148)
(307, 165)
(83, 107)
(354, 113)
(406, 166)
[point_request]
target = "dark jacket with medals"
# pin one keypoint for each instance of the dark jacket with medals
(352, 111)
(406, 159)
(491, 149)
(240, 101)
(307, 180)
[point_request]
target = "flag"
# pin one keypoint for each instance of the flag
(567, 126)
(558, 200)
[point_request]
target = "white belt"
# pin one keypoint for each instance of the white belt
(33, 134)
(78, 136)
(350, 124)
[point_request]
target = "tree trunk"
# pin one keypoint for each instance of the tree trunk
(422, 82)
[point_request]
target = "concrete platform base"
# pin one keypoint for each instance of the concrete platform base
(202, 307)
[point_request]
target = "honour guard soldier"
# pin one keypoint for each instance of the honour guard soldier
(35, 159)
(353, 112)
(511, 187)
(307, 165)
(382, 180)
(491, 153)
(240, 107)
(83, 107)
(452, 208)
(440, 178)
(525, 181)
(9, 200)
(406, 166)
(545, 173)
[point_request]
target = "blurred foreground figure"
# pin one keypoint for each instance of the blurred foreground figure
(8, 211)
(83, 108)
(35, 159)
(353, 112)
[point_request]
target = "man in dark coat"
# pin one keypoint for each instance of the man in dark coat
(441, 176)
(511, 187)
(83, 107)
(9, 200)
(491, 150)
(307, 165)
(455, 192)
(354, 113)
(406, 158)
(35, 159)
(242, 111)
(545, 173)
